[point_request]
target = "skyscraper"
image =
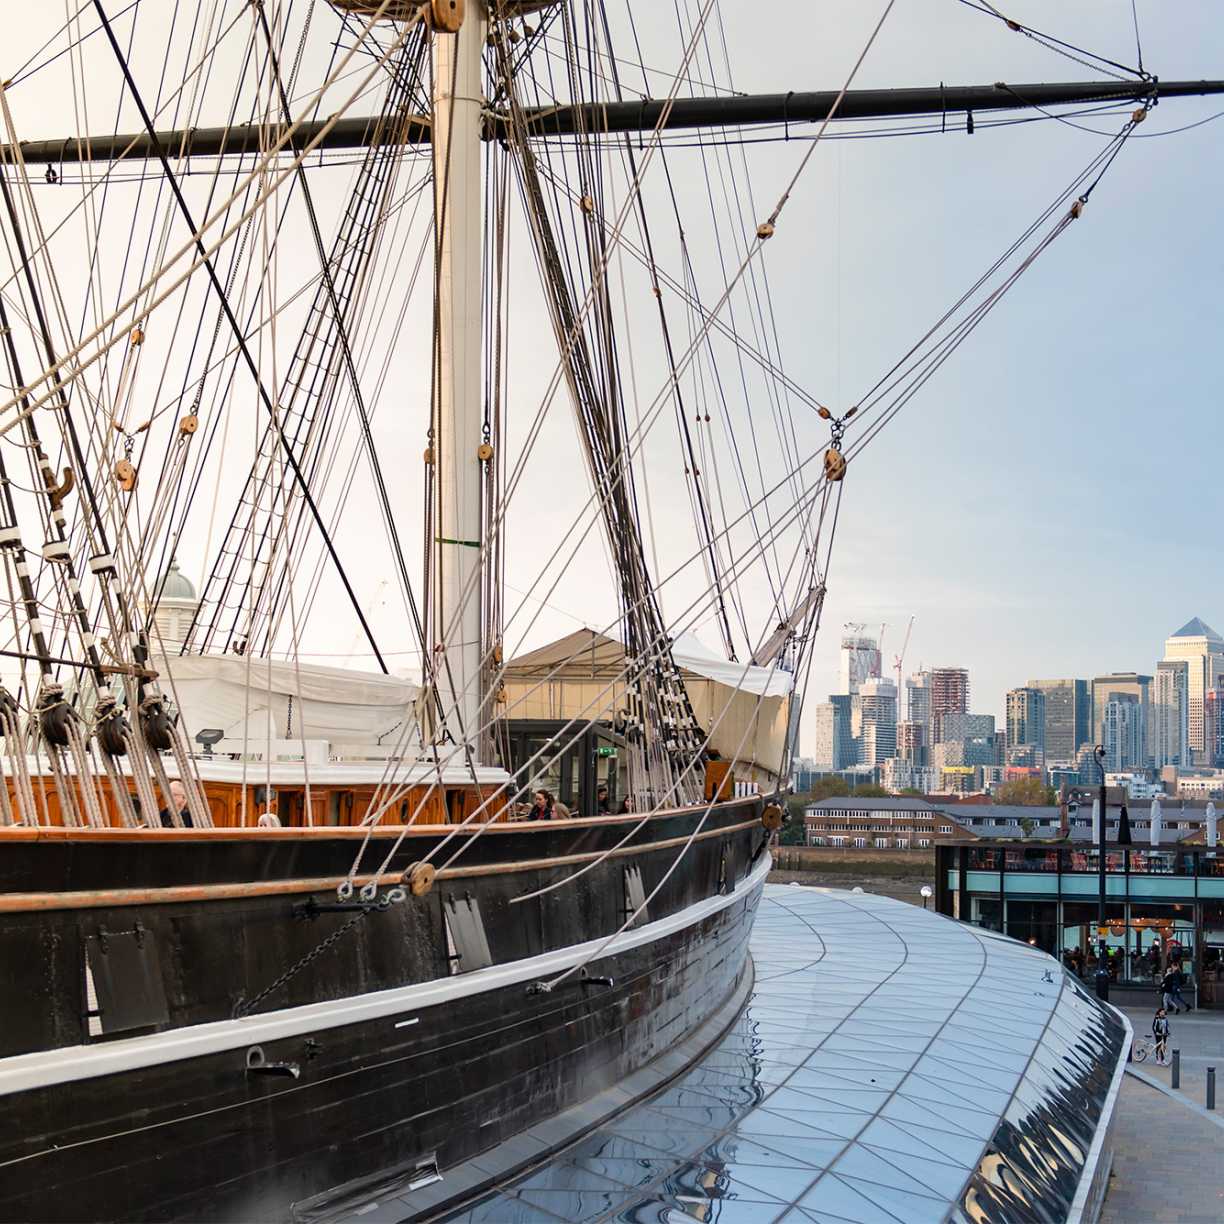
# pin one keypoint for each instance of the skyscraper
(1170, 713)
(1122, 732)
(1124, 684)
(1203, 650)
(911, 742)
(878, 711)
(834, 744)
(1026, 722)
(1213, 721)
(860, 660)
(949, 695)
(918, 698)
(1068, 718)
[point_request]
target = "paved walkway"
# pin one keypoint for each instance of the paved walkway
(1168, 1151)
(1200, 1037)
(1167, 1162)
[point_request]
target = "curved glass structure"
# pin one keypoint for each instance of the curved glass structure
(892, 1067)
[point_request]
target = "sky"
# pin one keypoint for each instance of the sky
(1047, 505)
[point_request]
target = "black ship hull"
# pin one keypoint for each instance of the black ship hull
(410, 1040)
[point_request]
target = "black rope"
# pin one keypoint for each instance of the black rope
(240, 339)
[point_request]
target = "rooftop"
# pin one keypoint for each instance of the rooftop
(898, 803)
(1197, 628)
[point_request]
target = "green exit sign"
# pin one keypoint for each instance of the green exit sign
(605, 752)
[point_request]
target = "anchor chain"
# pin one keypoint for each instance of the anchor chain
(244, 1008)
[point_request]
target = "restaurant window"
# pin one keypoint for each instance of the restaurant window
(1083, 860)
(1161, 862)
(987, 912)
(1031, 859)
(1034, 922)
(1213, 944)
(981, 859)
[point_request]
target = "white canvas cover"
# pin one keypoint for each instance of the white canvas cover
(693, 655)
(745, 710)
(588, 648)
(250, 698)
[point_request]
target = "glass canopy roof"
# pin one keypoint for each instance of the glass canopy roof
(892, 1067)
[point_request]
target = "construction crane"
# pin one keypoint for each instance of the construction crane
(899, 662)
(880, 648)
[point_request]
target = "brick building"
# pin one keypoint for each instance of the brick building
(895, 823)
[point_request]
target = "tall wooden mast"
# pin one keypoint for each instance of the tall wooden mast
(457, 105)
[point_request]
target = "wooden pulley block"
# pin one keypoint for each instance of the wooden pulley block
(484, 452)
(137, 337)
(834, 464)
(189, 424)
(125, 474)
(428, 456)
(771, 817)
(446, 16)
(497, 654)
(419, 878)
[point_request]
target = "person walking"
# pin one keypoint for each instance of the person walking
(1170, 990)
(1160, 1031)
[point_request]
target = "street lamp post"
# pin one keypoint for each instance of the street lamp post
(1102, 973)
(926, 894)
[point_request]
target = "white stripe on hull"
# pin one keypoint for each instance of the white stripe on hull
(23, 1072)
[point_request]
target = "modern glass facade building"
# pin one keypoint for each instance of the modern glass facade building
(1068, 717)
(891, 1067)
(1162, 903)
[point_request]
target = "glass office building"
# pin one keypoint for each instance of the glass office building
(1163, 904)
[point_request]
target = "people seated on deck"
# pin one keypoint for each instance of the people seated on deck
(603, 805)
(545, 807)
(178, 797)
(269, 820)
(626, 806)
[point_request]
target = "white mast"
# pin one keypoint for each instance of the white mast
(457, 104)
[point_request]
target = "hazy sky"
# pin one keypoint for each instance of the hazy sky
(1048, 504)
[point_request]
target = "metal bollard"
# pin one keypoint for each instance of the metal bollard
(1211, 1088)
(1176, 1068)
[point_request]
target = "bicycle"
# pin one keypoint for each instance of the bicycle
(1144, 1046)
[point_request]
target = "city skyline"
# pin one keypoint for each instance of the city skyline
(996, 704)
(1170, 715)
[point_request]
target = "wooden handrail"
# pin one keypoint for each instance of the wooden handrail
(34, 833)
(107, 898)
